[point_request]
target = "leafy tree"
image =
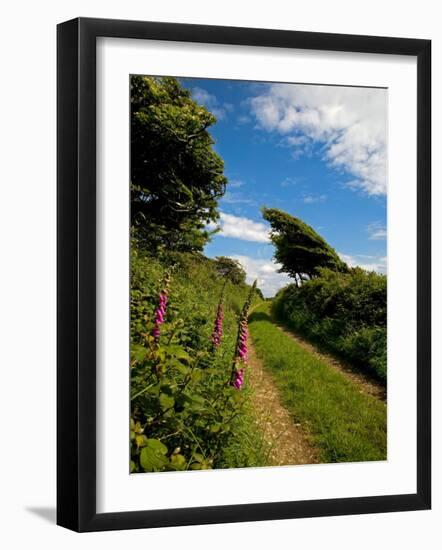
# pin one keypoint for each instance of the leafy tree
(258, 291)
(232, 269)
(176, 177)
(299, 249)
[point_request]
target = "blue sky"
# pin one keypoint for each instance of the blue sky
(317, 152)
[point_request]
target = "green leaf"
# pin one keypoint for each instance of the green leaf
(138, 353)
(201, 463)
(177, 351)
(166, 401)
(196, 376)
(140, 440)
(167, 389)
(152, 456)
(195, 401)
(181, 367)
(215, 428)
(178, 462)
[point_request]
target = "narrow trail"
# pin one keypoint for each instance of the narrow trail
(287, 442)
(364, 383)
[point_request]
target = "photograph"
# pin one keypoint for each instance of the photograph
(225, 247)
(258, 284)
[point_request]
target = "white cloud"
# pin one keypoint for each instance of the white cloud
(288, 182)
(244, 119)
(310, 199)
(237, 198)
(236, 183)
(300, 145)
(266, 272)
(376, 231)
(238, 227)
(202, 96)
(297, 140)
(370, 263)
(211, 103)
(349, 122)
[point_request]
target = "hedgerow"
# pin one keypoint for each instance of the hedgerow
(346, 313)
(186, 408)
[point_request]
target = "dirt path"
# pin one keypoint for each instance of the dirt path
(365, 384)
(287, 441)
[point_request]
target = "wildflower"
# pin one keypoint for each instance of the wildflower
(241, 351)
(218, 327)
(160, 312)
(238, 379)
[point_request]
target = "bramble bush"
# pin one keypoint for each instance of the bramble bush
(344, 312)
(185, 412)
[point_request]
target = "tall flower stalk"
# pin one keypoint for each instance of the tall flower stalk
(160, 312)
(217, 333)
(240, 357)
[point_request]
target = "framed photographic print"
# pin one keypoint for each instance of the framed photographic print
(243, 274)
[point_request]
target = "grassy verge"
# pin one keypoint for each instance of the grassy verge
(347, 426)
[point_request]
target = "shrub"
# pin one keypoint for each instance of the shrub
(344, 312)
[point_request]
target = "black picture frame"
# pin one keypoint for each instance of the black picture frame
(77, 287)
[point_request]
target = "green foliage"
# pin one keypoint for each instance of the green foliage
(344, 312)
(299, 249)
(176, 177)
(184, 413)
(347, 425)
(258, 291)
(232, 269)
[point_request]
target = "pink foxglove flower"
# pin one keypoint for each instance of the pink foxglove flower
(218, 328)
(238, 379)
(160, 312)
(241, 351)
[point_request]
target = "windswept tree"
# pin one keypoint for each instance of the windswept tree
(298, 248)
(176, 176)
(231, 269)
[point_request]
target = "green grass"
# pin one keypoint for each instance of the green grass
(346, 426)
